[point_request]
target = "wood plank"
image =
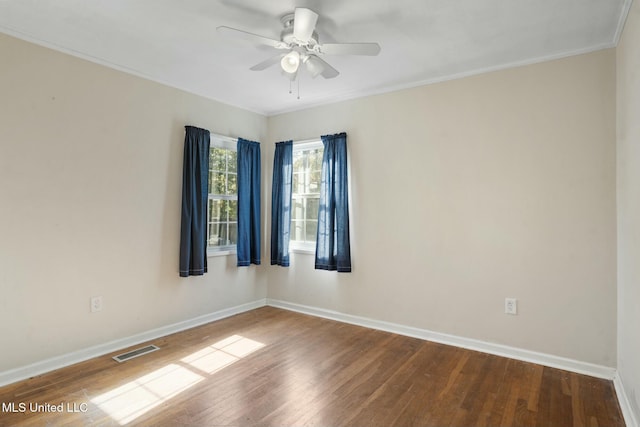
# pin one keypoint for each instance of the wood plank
(272, 367)
(534, 391)
(577, 411)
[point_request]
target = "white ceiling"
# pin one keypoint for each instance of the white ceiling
(423, 41)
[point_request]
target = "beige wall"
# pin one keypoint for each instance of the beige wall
(473, 190)
(90, 187)
(628, 114)
(463, 193)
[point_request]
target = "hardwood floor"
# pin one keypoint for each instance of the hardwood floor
(270, 367)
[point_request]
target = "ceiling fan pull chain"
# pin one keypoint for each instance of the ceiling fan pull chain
(298, 87)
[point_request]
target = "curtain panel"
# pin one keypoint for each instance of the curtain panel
(248, 245)
(281, 203)
(195, 189)
(333, 249)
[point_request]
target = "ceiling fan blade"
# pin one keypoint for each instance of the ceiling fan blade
(317, 66)
(304, 23)
(266, 63)
(369, 49)
(254, 38)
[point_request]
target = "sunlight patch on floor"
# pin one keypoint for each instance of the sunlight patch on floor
(128, 402)
(135, 398)
(223, 353)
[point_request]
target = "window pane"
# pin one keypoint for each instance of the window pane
(217, 184)
(312, 208)
(315, 166)
(315, 160)
(298, 161)
(297, 181)
(233, 210)
(233, 233)
(297, 209)
(219, 234)
(232, 159)
(311, 230)
(224, 210)
(215, 208)
(297, 230)
(306, 181)
(232, 184)
(217, 159)
(211, 158)
(314, 182)
(217, 231)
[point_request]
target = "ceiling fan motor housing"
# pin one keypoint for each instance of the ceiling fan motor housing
(287, 33)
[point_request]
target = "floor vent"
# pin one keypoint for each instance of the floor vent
(135, 353)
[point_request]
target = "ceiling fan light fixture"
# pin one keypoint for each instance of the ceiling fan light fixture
(314, 67)
(290, 62)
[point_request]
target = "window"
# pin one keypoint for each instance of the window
(222, 213)
(305, 194)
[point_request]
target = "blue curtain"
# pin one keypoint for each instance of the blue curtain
(333, 250)
(248, 246)
(281, 203)
(195, 189)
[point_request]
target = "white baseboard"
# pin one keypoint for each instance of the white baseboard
(630, 418)
(471, 344)
(22, 373)
(18, 374)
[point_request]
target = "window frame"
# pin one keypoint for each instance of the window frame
(227, 143)
(298, 245)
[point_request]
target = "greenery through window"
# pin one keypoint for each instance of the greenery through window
(222, 214)
(307, 167)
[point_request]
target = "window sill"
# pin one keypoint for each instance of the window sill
(225, 252)
(309, 250)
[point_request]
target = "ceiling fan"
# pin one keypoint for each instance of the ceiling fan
(299, 40)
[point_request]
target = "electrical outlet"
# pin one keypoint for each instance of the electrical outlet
(511, 306)
(96, 304)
